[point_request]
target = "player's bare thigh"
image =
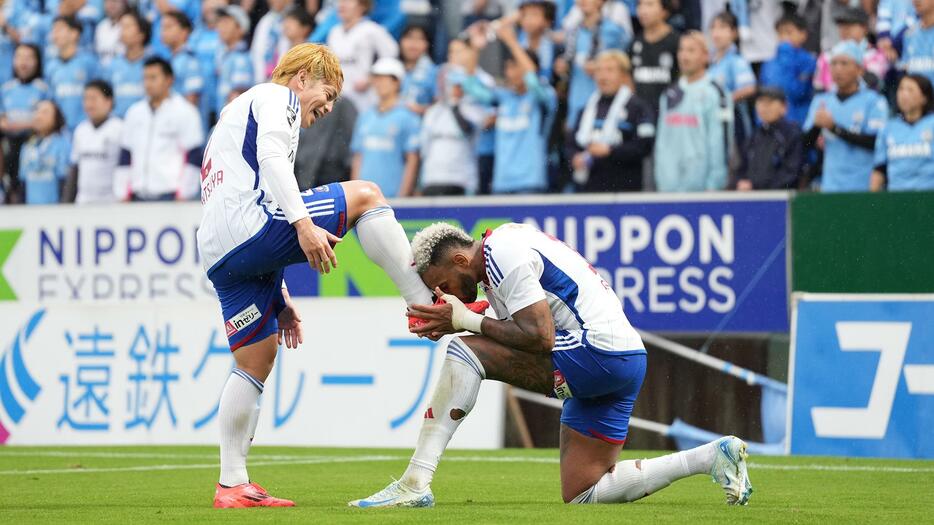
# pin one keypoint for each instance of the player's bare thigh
(361, 196)
(584, 460)
(534, 372)
(258, 358)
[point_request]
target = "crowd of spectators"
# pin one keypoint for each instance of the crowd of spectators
(112, 100)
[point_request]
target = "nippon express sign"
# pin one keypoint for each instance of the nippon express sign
(863, 375)
(678, 263)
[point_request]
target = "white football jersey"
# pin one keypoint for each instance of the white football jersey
(238, 205)
(524, 266)
(96, 151)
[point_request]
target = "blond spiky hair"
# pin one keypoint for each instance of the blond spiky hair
(317, 60)
(430, 243)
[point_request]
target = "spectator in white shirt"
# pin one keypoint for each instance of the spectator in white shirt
(95, 149)
(448, 144)
(358, 42)
(162, 157)
(107, 44)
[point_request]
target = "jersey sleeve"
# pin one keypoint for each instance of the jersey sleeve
(812, 110)
(877, 115)
(277, 118)
(512, 274)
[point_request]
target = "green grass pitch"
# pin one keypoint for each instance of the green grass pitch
(175, 485)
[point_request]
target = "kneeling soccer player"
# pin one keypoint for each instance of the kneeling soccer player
(256, 222)
(563, 333)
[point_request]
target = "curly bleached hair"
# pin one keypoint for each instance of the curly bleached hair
(432, 242)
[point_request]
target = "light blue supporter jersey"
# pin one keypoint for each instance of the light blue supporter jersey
(187, 71)
(732, 72)
(66, 80)
(847, 167)
(234, 73)
(545, 51)
(907, 153)
(126, 78)
(383, 138)
(523, 122)
(586, 46)
(206, 45)
(918, 51)
(418, 86)
(19, 99)
(43, 165)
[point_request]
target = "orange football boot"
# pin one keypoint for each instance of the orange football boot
(246, 495)
(478, 307)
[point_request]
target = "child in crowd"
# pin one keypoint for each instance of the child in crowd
(774, 154)
(418, 87)
(793, 67)
(732, 73)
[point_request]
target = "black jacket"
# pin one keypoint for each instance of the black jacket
(773, 156)
(621, 170)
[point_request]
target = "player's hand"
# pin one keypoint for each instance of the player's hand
(290, 326)
(823, 118)
(317, 244)
(439, 319)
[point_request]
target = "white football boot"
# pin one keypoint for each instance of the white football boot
(729, 470)
(396, 495)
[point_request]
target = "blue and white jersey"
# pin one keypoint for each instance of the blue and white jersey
(918, 51)
(259, 125)
(19, 99)
(906, 152)
(732, 72)
(525, 266)
(383, 138)
(234, 72)
(523, 122)
(43, 165)
(66, 80)
(848, 167)
(893, 16)
(586, 46)
(126, 78)
(418, 86)
(187, 71)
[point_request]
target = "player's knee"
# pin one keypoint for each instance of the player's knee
(368, 194)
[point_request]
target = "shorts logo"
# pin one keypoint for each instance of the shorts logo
(562, 389)
(242, 320)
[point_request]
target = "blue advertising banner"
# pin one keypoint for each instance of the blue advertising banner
(709, 263)
(863, 376)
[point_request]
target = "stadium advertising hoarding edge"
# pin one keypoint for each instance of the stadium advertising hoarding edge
(862, 369)
(680, 263)
(143, 374)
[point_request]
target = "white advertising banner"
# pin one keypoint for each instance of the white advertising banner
(152, 373)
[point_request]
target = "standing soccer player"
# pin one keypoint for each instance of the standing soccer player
(560, 330)
(256, 222)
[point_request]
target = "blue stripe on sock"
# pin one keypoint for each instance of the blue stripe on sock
(455, 350)
(255, 382)
(374, 212)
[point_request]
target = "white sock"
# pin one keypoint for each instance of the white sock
(384, 242)
(629, 482)
(454, 396)
(237, 416)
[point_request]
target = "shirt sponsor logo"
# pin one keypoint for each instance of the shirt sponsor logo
(652, 75)
(242, 320)
(900, 151)
(682, 120)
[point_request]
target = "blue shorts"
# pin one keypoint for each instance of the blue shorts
(599, 388)
(248, 280)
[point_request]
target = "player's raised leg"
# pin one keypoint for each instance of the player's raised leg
(383, 239)
(469, 360)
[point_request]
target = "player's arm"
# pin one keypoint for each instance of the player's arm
(531, 329)
(273, 140)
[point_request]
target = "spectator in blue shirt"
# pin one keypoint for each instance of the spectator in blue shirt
(848, 120)
(595, 33)
(904, 154)
(525, 113)
(234, 69)
(418, 87)
(43, 163)
(732, 72)
(206, 45)
(918, 47)
(69, 71)
(536, 18)
(176, 30)
(385, 139)
(125, 73)
(793, 67)
(19, 98)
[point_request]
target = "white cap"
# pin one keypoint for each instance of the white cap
(238, 14)
(390, 67)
